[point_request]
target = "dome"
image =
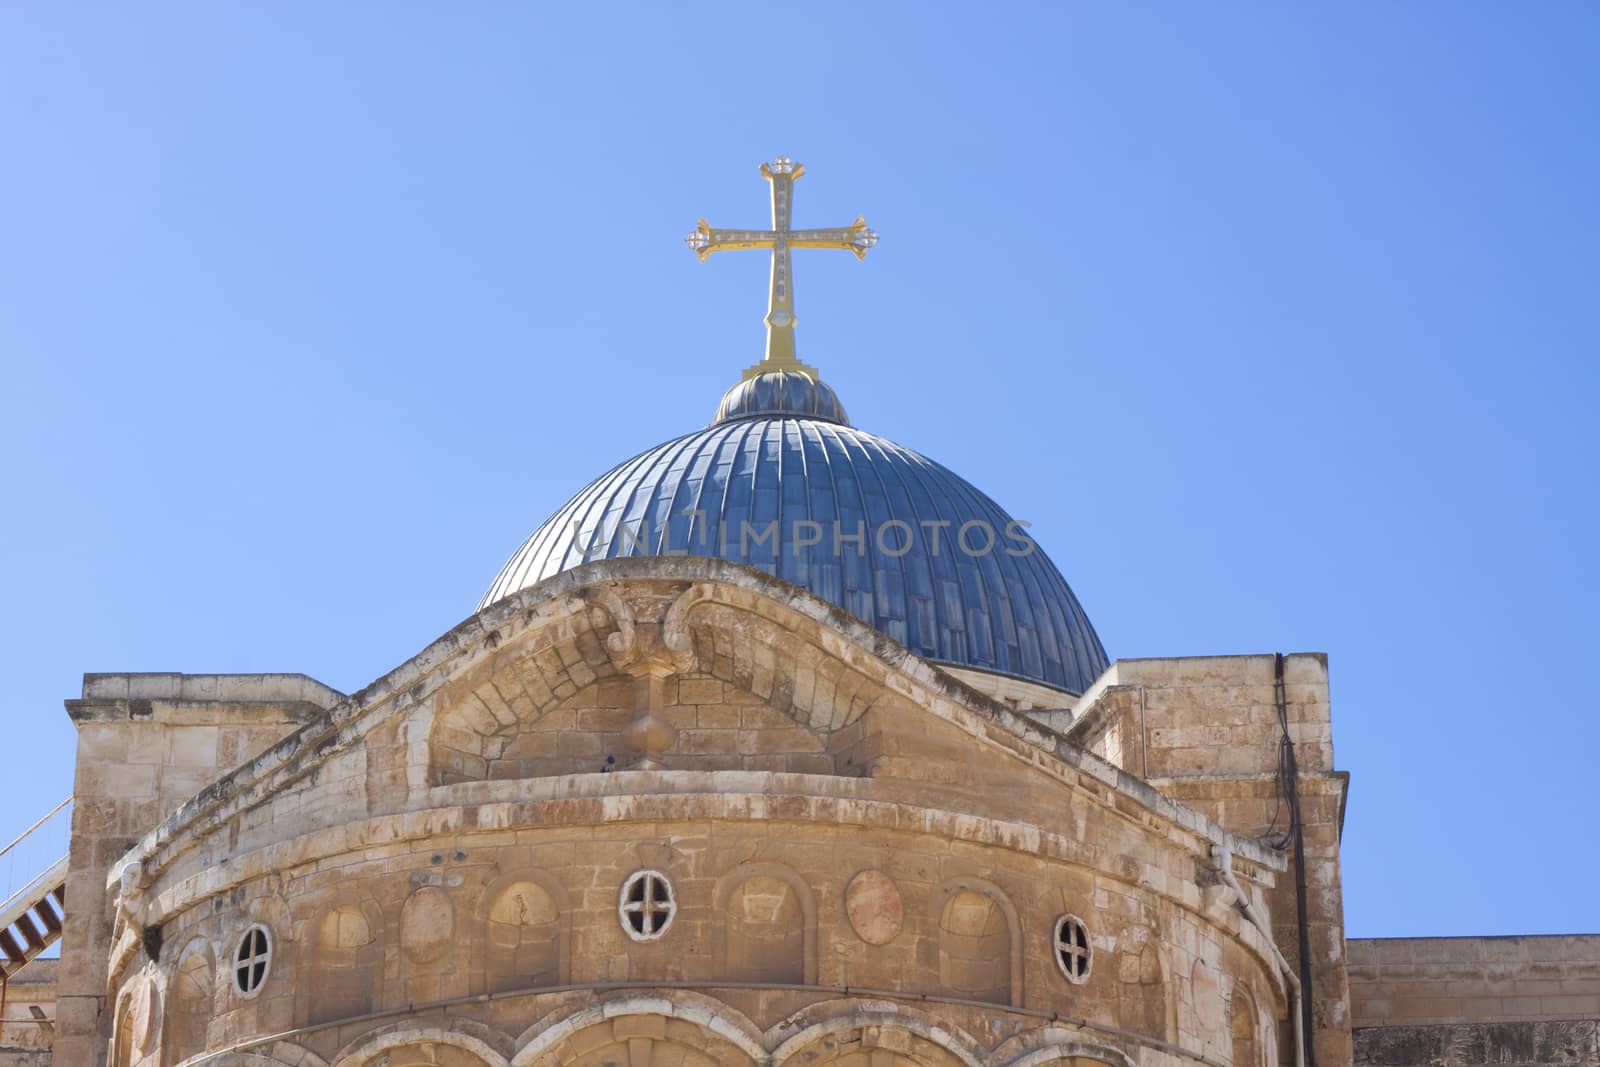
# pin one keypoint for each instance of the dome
(782, 393)
(780, 482)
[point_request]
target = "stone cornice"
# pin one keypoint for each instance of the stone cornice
(418, 680)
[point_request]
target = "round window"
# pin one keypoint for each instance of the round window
(1073, 951)
(646, 906)
(252, 960)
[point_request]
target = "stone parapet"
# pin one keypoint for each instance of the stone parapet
(1426, 980)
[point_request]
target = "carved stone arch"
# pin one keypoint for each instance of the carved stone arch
(860, 1038)
(1144, 992)
(765, 933)
(461, 1044)
(1244, 1026)
(980, 945)
(505, 960)
(693, 1031)
(280, 1054)
(1063, 1049)
(193, 988)
(751, 647)
(515, 681)
(122, 1032)
(125, 960)
(340, 964)
(139, 1022)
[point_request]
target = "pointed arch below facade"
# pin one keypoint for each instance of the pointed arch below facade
(463, 1044)
(731, 944)
(918, 1041)
(698, 1023)
(280, 1054)
(1065, 1050)
(740, 634)
(529, 665)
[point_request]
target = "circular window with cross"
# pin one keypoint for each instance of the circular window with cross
(646, 906)
(1073, 950)
(252, 960)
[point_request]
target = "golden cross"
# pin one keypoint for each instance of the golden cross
(782, 173)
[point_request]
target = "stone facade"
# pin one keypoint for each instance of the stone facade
(673, 812)
(1462, 1001)
(1208, 732)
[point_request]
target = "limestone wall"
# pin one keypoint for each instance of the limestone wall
(1474, 979)
(802, 907)
(1206, 731)
(146, 744)
(866, 859)
(1476, 1000)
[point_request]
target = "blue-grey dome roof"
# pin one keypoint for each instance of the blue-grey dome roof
(782, 393)
(755, 488)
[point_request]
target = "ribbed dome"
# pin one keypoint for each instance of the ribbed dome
(781, 393)
(755, 488)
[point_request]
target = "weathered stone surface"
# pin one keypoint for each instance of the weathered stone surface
(866, 856)
(1525, 1044)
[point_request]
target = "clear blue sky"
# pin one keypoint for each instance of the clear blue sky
(1278, 324)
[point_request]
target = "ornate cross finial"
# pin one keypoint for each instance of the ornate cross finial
(704, 240)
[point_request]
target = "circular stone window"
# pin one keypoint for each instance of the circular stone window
(646, 906)
(252, 960)
(1073, 951)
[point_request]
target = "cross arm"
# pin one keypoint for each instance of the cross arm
(705, 239)
(855, 238)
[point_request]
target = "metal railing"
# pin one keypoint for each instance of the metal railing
(36, 850)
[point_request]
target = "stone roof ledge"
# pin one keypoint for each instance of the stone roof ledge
(334, 730)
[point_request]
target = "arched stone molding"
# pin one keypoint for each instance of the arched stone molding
(193, 987)
(139, 1022)
(701, 1023)
(1053, 1046)
(1008, 912)
(740, 636)
(805, 900)
(482, 980)
(514, 681)
(822, 1042)
(125, 958)
(279, 1054)
(1244, 1026)
(475, 1045)
(767, 648)
(339, 968)
(122, 1033)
